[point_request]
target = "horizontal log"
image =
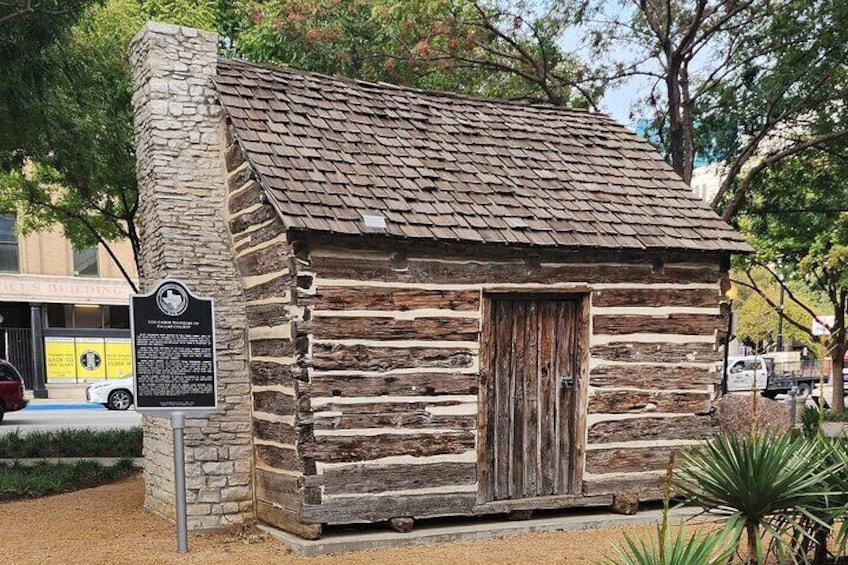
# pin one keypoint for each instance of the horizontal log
(407, 420)
(369, 508)
(287, 521)
(403, 384)
(624, 401)
(651, 428)
(268, 259)
(273, 288)
(370, 408)
(264, 374)
(266, 315)
(370, 479)
(444, 329)
(665, 352)
(692, 297)
(273, 402)
(233, 157)
(274, 431)
(244, 221)
(281, 458)
(627, 460)
(345, 449)
(543, 503)
(679, 324)
(272, 348)
(246, 197)
(363, 358)
(478, 271)
(649, 487)
(652, 377)
(283, 489)
(273, 230)
(236, 178)
(400, 299)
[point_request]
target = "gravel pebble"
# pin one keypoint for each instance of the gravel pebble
(107, 525)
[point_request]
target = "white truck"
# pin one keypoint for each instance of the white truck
(771, 373)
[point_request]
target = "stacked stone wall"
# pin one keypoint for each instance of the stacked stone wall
(183, 215)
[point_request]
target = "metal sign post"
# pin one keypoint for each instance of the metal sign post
(173, 335)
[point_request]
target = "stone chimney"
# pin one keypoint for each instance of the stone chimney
(179, 134)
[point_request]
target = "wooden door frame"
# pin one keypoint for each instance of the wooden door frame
(580, 395)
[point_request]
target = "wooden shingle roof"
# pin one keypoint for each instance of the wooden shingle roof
(331, 151)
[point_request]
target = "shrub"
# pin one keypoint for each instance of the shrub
(72, 443)
(20, 481)
(734, 414)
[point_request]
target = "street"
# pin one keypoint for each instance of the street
(43, 417)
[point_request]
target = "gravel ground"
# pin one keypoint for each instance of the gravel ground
(107, 525)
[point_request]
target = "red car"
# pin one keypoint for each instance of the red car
(11, 389)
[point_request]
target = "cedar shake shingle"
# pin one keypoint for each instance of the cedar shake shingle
(329, 151)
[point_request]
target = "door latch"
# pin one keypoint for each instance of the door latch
(567, 382)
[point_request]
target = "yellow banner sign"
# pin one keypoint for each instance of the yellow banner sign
(91, 359)
(60, 357)
(118, 358)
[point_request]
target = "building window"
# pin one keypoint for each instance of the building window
(8, 245)
(85, 263)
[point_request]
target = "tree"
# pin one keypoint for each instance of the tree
(71, 161)
(796, 214)
(759, 308)
(738, 81)
(500, 49)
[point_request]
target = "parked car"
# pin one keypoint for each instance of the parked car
(11, 389)
(766, 374)
(114, 394)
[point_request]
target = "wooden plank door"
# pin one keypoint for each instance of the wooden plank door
(532, 362)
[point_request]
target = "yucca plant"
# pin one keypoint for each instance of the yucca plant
(832, 508)
(711, 548)
(767, 484)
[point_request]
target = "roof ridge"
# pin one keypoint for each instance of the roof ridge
(519, 103)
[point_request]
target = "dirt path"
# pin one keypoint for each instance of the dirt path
(107, 525)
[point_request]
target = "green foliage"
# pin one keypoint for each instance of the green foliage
(775, 485)
(811, 421)
(72, 443)
(19, 481)
(698, 548)
(497, 49)
(795, 214)
(759, 320)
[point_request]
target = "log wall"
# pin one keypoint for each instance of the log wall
(365, 366)
(394, 365)
(268, 270)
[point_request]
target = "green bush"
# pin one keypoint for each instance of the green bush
(779, 486)
(72, 443)
(18, 481)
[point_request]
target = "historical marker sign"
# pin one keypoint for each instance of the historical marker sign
(173, 333)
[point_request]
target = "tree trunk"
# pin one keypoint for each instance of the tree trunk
(752, 531)
(837, 355)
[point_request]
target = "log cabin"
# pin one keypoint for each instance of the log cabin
(459, 306)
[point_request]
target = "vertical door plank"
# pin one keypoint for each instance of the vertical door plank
(548, 464)
(519, 376)
(531, 400)
(503, 368)
(581, 390)
(566, 394)
(485, 420)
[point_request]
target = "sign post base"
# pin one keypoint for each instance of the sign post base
(178, 425)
